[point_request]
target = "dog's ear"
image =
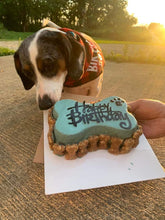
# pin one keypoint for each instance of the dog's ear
(28, 84)
(77, 58)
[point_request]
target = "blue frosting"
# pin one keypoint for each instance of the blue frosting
(77, 121)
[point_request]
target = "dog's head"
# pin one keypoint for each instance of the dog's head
(45, 59)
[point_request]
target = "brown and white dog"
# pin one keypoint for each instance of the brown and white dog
(59, 59)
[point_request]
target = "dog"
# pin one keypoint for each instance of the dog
(57, 60)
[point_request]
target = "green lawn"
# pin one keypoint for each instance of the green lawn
(12, 35)
(102, 41)
(6, 51)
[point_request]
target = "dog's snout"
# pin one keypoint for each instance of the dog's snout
(45, 102)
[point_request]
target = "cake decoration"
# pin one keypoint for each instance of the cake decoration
(77, 128)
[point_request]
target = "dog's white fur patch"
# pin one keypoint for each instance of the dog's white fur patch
(45, 86)
(51, 87)
(49, 23)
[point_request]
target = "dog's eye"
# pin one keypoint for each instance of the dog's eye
(48, 64)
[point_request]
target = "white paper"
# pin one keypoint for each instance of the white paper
(99, 168)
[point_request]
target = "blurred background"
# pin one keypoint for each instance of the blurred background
(125, 24)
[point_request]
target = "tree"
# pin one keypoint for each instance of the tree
(157, 31)
(93, 14)
(116, 16)
(90, 15)
(14, 14)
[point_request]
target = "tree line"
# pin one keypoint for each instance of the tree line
(26, 15)
(100, 18)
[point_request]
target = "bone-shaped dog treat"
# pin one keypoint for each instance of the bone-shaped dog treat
(77, 121)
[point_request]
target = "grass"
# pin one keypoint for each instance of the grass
(140, 58)
(119, 58)
(12, 35)
(6, 51)
(6, 35)
(103, 41)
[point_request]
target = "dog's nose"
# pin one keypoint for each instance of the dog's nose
(45, 103)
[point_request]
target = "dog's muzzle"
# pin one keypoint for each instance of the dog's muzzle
(45, 103)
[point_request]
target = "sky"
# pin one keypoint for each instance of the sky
(147, 11)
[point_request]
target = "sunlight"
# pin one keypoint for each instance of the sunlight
(147, 11)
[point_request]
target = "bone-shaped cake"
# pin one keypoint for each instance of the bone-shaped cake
(76, 128)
